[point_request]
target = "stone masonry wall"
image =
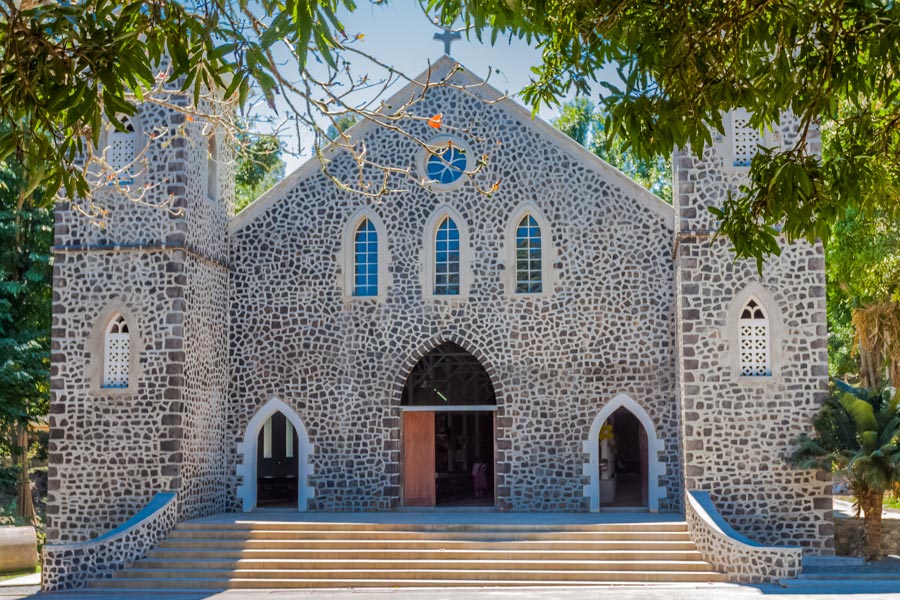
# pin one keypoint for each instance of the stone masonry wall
(737, 430)
(555, 359)
(110, 453)
(112, 450)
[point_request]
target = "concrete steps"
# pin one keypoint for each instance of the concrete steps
(261, 554)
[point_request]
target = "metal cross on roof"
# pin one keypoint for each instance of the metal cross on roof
(448, 37)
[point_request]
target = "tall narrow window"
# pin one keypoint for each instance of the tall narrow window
(288, 439)
(212, 168)
(446, 259)
(122, 150)
(754, 341)
(267, 439)
(529, 270)
(745, 139)
(365, 261)
(116, 353)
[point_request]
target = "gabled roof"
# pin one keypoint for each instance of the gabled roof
(438, 71)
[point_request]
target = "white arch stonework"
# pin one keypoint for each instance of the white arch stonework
(655, 445)
(247, 449)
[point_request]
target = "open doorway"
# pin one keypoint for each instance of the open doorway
(464, 450)
(623, 461)
(277, 464)
(448, 431)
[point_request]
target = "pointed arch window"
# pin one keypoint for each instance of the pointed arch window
(529, 257)
(116, 353)
(121, 152)
(446, 259)
(212, 168)
(745, 139)
(365, 259)
(755, 345)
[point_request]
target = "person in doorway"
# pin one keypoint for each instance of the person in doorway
(479, 477)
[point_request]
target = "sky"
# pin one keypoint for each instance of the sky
(400, 34)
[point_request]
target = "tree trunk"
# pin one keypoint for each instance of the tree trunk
(871, 504)
(24, 501)
(868, 369)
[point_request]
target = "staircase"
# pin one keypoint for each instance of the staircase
(267, 554)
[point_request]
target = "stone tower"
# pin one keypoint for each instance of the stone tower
(752, 354)
(139, 330)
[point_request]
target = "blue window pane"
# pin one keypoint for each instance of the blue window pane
(365, 267)
(446, 167)
(528, 256)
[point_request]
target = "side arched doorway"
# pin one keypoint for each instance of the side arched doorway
(275, 472)
(623, 464)
(448, 406)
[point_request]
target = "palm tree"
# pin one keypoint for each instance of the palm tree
(857, 434)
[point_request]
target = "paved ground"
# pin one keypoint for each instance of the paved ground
(846, 507)
(850, 590)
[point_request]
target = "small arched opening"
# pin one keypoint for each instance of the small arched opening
(277, 456)
(448, 405)
(623, 465)
(276, 465)
(623, 461)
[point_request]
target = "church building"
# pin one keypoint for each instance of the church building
(567, 343)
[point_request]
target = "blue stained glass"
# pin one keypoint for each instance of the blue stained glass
(447, 166)
(365, 266)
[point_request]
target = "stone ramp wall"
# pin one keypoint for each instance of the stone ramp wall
(68, 566)
(743, 560)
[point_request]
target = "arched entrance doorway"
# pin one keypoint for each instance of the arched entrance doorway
(448, 406)
(623, 461)
(277, 476)
(623, 464)
(273, 471)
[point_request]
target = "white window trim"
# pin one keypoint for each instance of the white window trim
(773, 312)
(213, 192)
(548, 253)
(109, 338)
(140, 144)
(424, 154)
(428, 255)
(766, 139)
(97, 350)
(767, 338)
(346, 257)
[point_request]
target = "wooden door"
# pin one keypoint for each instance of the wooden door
(418, 458)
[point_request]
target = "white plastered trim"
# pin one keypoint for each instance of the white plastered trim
(96, 350)
(655, 467)
(247, 449)
(731, 335)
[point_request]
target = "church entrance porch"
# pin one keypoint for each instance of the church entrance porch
(448, 431)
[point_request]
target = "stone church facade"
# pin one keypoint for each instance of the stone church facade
(631, 305)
